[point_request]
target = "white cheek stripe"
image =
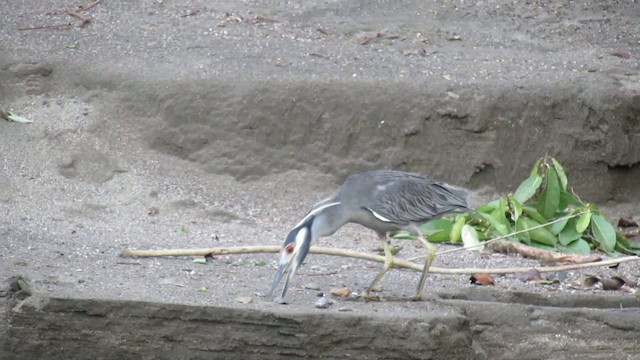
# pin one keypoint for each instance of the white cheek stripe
(316, 211)
(378, 216)
(300, 238)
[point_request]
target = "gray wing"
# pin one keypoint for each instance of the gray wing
(415, 199)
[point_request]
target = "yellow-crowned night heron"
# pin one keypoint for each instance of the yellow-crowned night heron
(384, 201)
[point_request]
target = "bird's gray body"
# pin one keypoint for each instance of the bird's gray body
(381, 200)
(388, 200)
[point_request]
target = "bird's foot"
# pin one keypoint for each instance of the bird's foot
(419, 296)
(280, 300)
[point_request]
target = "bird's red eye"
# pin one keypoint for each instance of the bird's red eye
(289, 248)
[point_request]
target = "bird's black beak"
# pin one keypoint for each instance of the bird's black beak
(294, 251)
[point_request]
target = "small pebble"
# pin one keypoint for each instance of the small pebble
(342, 292)
(312, 286)
(322, 303)
(244, 299)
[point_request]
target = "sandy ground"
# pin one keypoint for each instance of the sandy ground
(192, 124)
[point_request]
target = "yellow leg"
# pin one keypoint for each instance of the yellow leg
(388, 263)
(431, 254)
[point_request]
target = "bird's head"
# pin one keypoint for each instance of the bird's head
(319, 222)
(293, 252)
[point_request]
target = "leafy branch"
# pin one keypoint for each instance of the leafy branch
(543, 212)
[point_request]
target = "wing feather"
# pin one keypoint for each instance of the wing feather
(416, 199)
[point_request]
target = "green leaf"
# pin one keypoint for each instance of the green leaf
(569, 233)
(435, 226)
(485, 208)
(9, 116)
(499, 213)
(534, 214)
(604, 232)
(470, 238)
(624, 245)
(495, 223)
(557, 227)
(403, 235)
(438, 230)
(527, 189)
(440, 236)
(564, 201)
(538, 234)
(567, 198)
(521, 226)
(550, 197)
(583, 222)
(483, 235)
(624, 249)
(621, 239)
(456, 229)
(251, 263)
(562, 176)
(515, 208)
(536, 168)
(579, 246)
(182, 230)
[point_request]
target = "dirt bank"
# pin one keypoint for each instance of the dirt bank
(174, 124)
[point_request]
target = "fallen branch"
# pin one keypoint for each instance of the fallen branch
(358, 255)
(546, 256)
(201, 252)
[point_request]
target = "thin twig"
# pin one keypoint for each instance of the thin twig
(89, 6)
(40, 27)
(83, 19)
(358, 255)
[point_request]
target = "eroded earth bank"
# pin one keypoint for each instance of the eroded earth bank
(195, 124)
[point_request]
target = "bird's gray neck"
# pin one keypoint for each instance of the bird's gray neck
(328, 220)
